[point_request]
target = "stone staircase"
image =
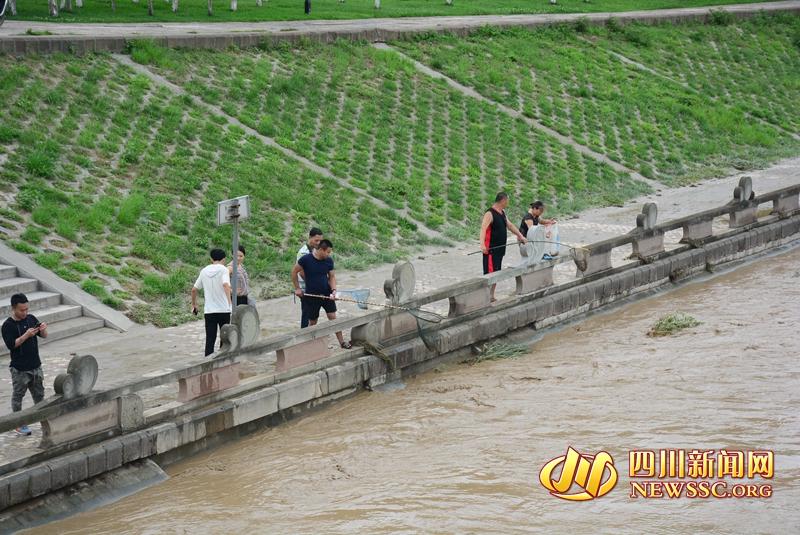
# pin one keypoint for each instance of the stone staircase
(63, 320)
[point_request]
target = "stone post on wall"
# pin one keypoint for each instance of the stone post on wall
(648, 240)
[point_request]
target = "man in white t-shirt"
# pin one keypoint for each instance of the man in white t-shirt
(314, 237)
(215, 282)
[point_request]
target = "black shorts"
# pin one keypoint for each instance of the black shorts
(492, 262)
(311, 305)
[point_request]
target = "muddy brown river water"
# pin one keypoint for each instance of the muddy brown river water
(459, 449)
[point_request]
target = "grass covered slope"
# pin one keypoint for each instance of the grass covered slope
(666, 131)
(753, 66)
(370, 117)
(197, 11)
(112, 183)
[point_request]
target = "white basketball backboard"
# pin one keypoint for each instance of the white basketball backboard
(226, 208)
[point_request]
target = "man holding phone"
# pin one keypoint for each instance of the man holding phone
(20, 332)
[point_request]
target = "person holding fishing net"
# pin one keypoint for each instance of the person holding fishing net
(494, 229)
(317, 270)
(547, 236)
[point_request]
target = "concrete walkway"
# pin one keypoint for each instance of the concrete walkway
(146, 349)
(112, 37)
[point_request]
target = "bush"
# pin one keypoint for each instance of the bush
(672, 323)
(95, 288)
(719, 17)
(48, 260)
(23, 247)
(499, 350)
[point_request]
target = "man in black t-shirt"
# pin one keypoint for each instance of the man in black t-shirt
(19, 334)
(317, 271)
(494, 228)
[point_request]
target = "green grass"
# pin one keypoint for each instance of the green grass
(196, 10)
(672, 323)
(662, 129)
(411, 141)
(113, 180)
(753, 67)
(128, 196)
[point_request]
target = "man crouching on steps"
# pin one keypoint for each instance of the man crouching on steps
(316, 268)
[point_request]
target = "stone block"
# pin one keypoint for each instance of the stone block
(113, 449)
(131, 447)
(297, 391)
(168, 438)
(59, 472)
(302, 353)
(78, 467)
(95, 460)
(743, 216)
(398, 325)
(255, 405)
(209, 382)
(5, 498)
(19, 487)
(597, 261)
(131, 412)
(784, 205)
(647, 246)
(697, 231)
(371, 332)
(192, 429)
(343, 376)
(39, 480)
(533, 281)
(79, 424)
(469, 302)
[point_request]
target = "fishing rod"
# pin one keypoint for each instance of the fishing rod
(424, 315)
(574, 248)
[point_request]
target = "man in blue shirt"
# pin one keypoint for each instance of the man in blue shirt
(317, 271)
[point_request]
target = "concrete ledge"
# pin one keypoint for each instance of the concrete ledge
(697, 231)
(302, 353)
(94, 419)
(536, 280)
(70, 293)
(645, 246)
(209, 382)
(469, 302)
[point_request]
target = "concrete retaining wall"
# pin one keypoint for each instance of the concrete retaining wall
(540, 310)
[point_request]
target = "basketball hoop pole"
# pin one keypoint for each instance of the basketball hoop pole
(233, 213)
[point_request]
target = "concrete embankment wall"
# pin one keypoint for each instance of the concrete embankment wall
(372, 30)
(238, 414)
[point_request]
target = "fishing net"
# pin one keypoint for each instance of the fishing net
(359, 296)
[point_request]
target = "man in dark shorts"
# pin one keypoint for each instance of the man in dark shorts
(316, 268)
(494, 227)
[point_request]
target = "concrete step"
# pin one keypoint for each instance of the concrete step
(7, 272)
(58, 313)
(36, 301)
(14, 285)
(72, 327)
